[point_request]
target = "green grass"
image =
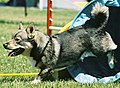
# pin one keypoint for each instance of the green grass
(9, 20)
(4, 1)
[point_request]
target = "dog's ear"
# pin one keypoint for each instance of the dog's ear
(21, 26)
(31, 31)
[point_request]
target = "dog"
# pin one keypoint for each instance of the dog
(56, 52)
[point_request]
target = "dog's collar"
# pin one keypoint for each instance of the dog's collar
(41, 54)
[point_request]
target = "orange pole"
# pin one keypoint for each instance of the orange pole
(49, 17)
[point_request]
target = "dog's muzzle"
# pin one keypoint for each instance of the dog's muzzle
(14, 52)
(5, 45)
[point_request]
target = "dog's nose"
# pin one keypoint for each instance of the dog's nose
(5, 45)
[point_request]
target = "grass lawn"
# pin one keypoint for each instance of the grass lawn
(9, 20)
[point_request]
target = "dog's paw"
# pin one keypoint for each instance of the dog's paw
(111, 59)
(111, 65)
(36, 81)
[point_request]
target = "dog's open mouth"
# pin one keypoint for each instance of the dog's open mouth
(16, 52)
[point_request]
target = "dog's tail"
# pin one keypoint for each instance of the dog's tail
(99, 17)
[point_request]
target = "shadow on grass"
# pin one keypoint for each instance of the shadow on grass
(17, 22)
(12, 79)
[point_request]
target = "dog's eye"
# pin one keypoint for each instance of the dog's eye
(17, 39)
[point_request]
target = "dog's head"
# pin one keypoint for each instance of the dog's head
(21, 42)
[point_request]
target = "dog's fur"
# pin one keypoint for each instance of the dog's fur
(49, 53)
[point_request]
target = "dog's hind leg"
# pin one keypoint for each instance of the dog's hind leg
(86, 54)
(111, 59)
(55, 75)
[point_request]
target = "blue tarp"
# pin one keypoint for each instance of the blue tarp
(94, 70)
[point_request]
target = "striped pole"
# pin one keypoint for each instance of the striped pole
(49, 17)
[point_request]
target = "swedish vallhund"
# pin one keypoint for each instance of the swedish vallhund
(53, 53)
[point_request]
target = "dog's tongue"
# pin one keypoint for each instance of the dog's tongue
(11, 54)
(16, 52)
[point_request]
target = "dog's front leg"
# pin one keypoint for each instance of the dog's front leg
(45, 73)
(37, 79)
(42, 74)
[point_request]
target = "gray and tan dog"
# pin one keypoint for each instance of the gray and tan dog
(52, 53)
